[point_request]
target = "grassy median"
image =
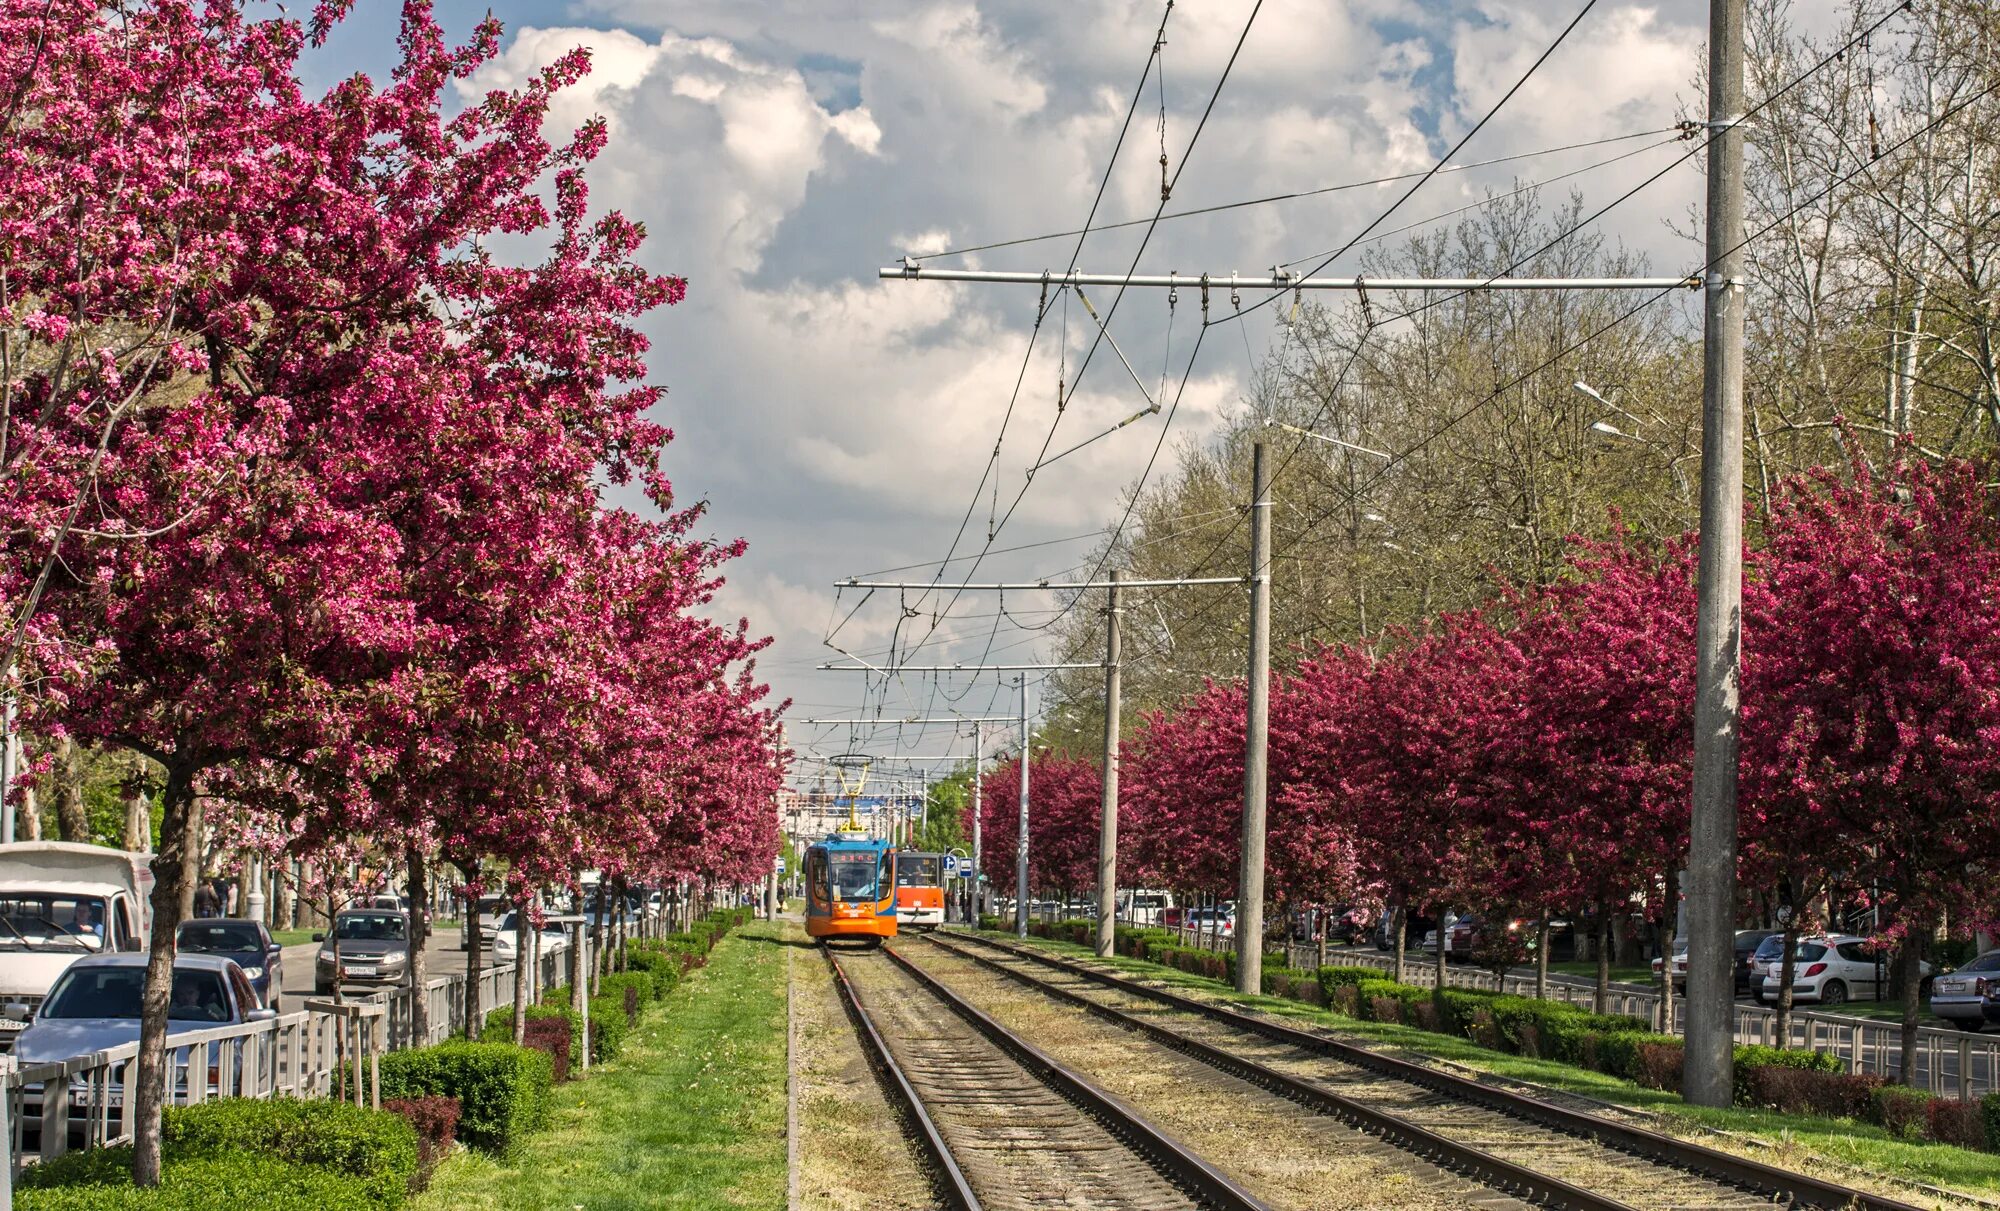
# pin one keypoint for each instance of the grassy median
(691, 1116)
(1793, 1141)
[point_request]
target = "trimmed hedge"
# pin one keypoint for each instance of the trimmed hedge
(502, 1090)
(435, 1120)
(282, 1153)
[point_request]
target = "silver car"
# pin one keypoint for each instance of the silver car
(1969, 997)
(374, 949)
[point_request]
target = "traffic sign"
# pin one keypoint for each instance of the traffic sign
(951, 870)
(781, 865)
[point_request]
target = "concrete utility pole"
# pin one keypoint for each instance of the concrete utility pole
(1256, 738)
(978, 755)
(1021, 847)
(1107, 829)
(1711, 899)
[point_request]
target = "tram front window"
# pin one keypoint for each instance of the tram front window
(853, 875)
(918, 872)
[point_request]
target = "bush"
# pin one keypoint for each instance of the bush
(1331, 977)
(631, 987)
(1750, 1059)
(435, 1120)
(193, 1184)
(1989, 1111)
(1656, 1063)
(1806, 1091)
(500, 1022)
(551, 1035)
(502, 1090)
(609, 1026)
(375, 1148)
(1902, 1111)
(992, 922)
(659, 971)
(1951, 1121)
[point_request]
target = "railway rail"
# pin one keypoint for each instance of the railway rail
(1515, 1142)
(1005, 1125)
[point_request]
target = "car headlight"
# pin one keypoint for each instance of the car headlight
(255, 973)
(390, 960)
(326, 958)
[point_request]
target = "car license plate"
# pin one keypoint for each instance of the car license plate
(361, 971)
(80, 1098)
(1951, 986)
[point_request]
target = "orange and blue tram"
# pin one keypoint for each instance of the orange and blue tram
(851, 889)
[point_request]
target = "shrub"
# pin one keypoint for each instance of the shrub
(1345, 999)
(500, 1022)
(631, 987)
(1806, 1091)
(1951, 1121)
(659, 970)
(378, 1150)
(1334, 976)
(435, 1120)
(502, 1090)
(551, 1035)
(608, 1027)
(1656, 1064)
(1750, 1059)
(1902, 1111)
(992, 922)
(193, 1184)
(1989, 1110)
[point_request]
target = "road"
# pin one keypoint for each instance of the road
(441, 954)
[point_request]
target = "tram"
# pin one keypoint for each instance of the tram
(851, 887)
(919, 890)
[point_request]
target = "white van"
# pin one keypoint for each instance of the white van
(1143, 906)
(60, 901)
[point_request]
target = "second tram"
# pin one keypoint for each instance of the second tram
(919, 890)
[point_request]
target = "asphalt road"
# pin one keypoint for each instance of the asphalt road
(441, 953)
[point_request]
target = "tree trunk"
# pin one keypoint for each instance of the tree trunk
(1667, 932)
(72, 819)
(1437, 963)
(1600, 999)
(1542, 958)
(524, 934)
(475, 1010)
(1909, 989)
(31, 814)
(624, 918)
(1788, 970)
(173, 874)
(138, 814)
(597, 949)
(1398, 936)
(420, 933)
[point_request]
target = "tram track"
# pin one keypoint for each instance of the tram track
(1005, 1125)
(1513, 1142)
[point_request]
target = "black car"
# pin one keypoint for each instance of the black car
(246, 942)
(1747, 942)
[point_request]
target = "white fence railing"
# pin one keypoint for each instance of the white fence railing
(1950, 1062)
(324, 1049)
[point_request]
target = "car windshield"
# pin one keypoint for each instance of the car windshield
(371, 926)
(1810, 952)
(40, 920)
(220, 937)
(1990, 961)
(113, 992)
(507, 925)
(1771, 947)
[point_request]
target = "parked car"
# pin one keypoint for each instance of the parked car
(1415, 926)
(393, 903)
(1749, 944)
(94, 1006)
(247, 943)
(1212, 920)
(1969, 997)
(374, 949)
(1833, 971)
(554, 938)
(490, 910)
(1140, 906)
(1764, 960)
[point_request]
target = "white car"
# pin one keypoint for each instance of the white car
(1221, 921)
(554, 938)
(1833, 971)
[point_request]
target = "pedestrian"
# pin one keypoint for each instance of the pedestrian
(206, 902)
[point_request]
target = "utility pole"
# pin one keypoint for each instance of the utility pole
(1256, 731)
(1021, 847)
(1107, 828)
(978, 871)
(1718, 628)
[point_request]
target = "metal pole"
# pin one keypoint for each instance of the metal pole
(978, 854)
(1107, 828)
(1718, 628)
(9, 764)
(1250, 883)
(1021, 846)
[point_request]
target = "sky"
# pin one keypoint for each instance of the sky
(781, 151)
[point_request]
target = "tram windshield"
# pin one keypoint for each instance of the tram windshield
(918, 870)
(854, 874)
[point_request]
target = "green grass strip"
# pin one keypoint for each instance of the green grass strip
(691, 1116)
(1795, 1137)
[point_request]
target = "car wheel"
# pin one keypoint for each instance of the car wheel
(1835, 993)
